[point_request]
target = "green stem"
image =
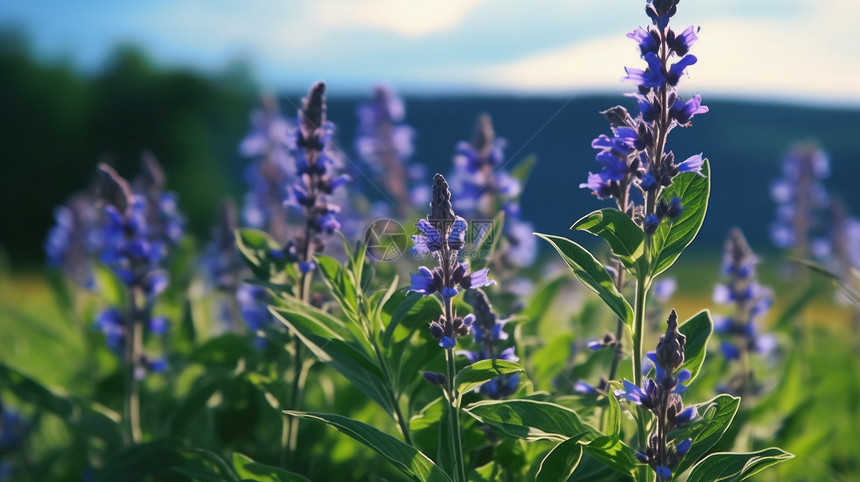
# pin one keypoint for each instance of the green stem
(290, 428)
(392, 392)
(454, 419)
(638, 329)
(133, 349)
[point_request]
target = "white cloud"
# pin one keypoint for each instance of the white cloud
(809, 58)
(410, 18)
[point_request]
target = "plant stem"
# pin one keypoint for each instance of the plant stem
(638, 329)
(619, 328)
(454, 418)
(290, 429)
(133, 349)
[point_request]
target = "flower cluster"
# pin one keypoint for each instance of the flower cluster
(444, 237)
(315, 180)
(802, 201)
(489, 334)
(750, 300)
(485, 189)
(634, 155)
(662, 396)
(73, 242)
(384, 143)
(268, 144)
(136, 250)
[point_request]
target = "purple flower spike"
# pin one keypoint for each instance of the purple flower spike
(663, 472)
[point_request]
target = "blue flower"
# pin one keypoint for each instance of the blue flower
(684, 447)
(691, 164)
(663, 472)
(683, 112)
(648, 40)
(650, 224)
(680, 43)
(651, 77)
(677, 69)
(600, 184)
(425, 281)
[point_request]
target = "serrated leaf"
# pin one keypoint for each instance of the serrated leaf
(248, 469)
(404, 457)
(625, 238)
(698, 330)
(478, 373)
(592, 274)
(560, 462)
(531, 419)
(672, 237)
(716, 417)
(734, 467)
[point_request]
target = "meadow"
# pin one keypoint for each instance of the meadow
(476, 289)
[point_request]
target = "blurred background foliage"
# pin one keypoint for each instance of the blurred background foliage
(58, 123)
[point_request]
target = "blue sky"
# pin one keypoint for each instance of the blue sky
(793, 50)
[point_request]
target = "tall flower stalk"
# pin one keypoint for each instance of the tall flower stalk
(662, 397)
(135, 243)
(750, 301)
(444, 237)
(384, 143)
(314, 182)
(636, 162)
(484, 189)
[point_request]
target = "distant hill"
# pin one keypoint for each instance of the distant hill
(58, 123)
(744, 141)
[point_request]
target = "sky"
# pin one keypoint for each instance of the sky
(804, 52)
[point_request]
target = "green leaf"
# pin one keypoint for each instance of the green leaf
(254, 246)
(486, 247)
(592, 273)
(489, 472)
(349, 360)
(531, 419)
(407, 313)
(560, 462)
(478, 373)
(698, 330)
(34, 392)
(522, 171)
(248, 469)
(625, 238)
(404, 457)
(110, 286)
(614, 453)
(716, 416)
(340, 284)
(672, 237)
(540, 304)
(734, 467)
(159, 460)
